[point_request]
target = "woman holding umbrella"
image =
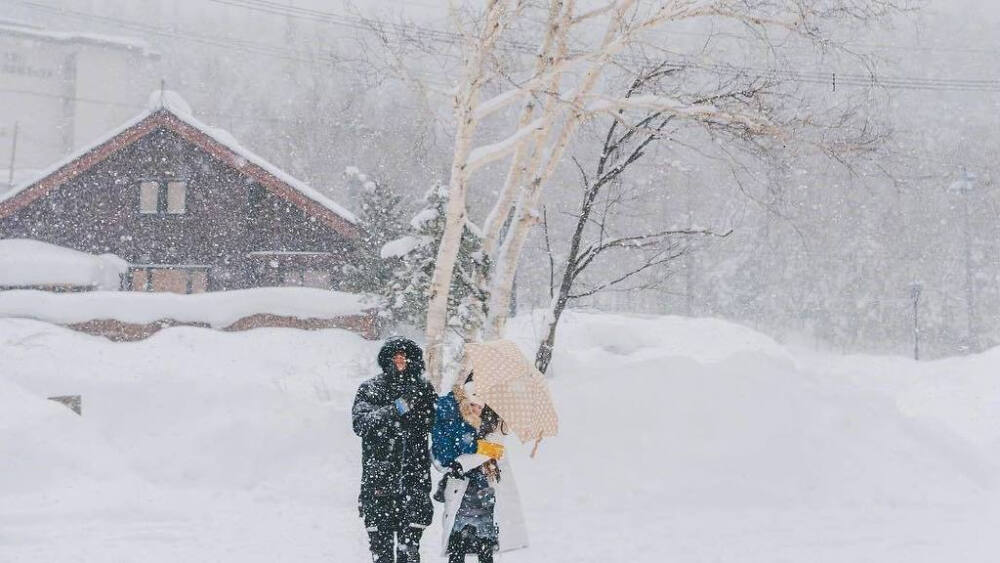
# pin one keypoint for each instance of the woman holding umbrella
(482, 507)
(467, 443)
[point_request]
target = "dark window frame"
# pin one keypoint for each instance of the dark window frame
(162, 187)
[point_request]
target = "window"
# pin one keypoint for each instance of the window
(173, 279)
(168, 280)
(149, 195)
(306, 278)
(176, 197)
(158, 198)
(140, 280)
(291, 277)
(316, 278)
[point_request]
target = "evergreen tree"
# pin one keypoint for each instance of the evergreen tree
(380, 220)
(407, 292)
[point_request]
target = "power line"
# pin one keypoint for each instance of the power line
(238, 117)
(243, 46)
(813, 77)
(412, 32)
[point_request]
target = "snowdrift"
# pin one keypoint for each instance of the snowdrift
(26, 263)
(128, 316)
(682, 440)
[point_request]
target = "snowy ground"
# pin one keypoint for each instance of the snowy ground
(682, 440)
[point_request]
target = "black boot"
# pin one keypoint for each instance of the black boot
(485, 551)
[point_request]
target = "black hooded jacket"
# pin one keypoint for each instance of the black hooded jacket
(395, 476)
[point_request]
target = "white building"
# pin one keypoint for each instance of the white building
(64, 89)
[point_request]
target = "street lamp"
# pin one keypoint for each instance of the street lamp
(915, 289)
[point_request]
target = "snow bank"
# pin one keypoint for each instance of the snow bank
(698, 398)
(194, 445)
(636, 338)
(218, 309)
(34, 263)
(681, 440)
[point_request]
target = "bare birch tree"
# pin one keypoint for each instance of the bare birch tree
(565, 87)
(601, 231)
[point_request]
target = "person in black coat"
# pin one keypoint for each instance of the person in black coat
(393, 414)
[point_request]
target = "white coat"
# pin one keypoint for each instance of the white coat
(508, 513)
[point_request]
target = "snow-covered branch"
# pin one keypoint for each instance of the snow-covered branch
(661, 258)
(486, 154)
(638, 242)
(673, 106)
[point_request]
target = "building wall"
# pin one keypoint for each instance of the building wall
(65, 92)
(227, 216)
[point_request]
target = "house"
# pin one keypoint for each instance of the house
(187, 207)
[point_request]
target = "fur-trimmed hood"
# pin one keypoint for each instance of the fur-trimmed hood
(414, 356)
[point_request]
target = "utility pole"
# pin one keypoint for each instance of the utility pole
(13, 154)
(915, 290)
(689, 264)
(964, 188)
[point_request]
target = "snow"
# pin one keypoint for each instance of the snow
(681, 440)
(401, 246)
(288, 253)
(35, 263)
(130, 43)
(168, 99)
(423, 217)
(218, 309)
(356, 173)
(174, 103)
(498, 102)
(485, 154)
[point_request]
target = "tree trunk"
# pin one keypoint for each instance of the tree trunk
(444, 267)
(544, 354)
(543, 167)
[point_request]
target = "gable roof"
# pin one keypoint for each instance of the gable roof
(168, 111)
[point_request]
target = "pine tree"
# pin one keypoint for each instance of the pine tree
(380, 220)
(417, 251)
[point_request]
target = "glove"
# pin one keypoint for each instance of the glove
(456, 470)
(492, 450)
(402, 407)
(415, 402)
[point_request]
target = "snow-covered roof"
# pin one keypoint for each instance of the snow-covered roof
(167, 108)
(9, 27)
(27, 263)
(175, 104)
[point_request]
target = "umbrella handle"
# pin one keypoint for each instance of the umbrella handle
(534, 450)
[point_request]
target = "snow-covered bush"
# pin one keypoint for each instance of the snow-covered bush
(416, 251)
(380, 220)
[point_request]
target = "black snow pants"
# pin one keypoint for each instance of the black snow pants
(407, 542)
(460, 544)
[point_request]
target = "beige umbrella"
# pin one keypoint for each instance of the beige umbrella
(512, 386)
